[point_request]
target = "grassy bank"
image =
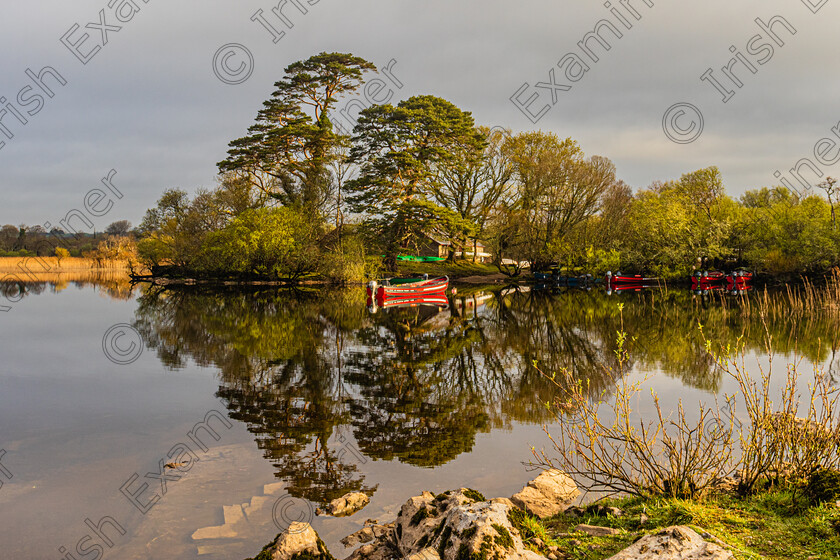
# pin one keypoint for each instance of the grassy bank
(773, 524)
(454, 269)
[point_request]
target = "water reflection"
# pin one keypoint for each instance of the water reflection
(114, 284)
(305, 371)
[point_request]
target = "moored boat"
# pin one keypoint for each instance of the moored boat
(619, 278)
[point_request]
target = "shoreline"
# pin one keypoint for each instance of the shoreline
(546, 521)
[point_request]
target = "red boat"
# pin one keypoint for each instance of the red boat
(406, 288)
(623, 279)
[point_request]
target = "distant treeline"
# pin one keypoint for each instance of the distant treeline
(36, 241)
(296, 198)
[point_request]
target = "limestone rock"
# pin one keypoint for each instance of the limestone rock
(348, 504)
(596, 531)
(455, 525)
(363, 535)
(548, 494)
(298, 538)
(673, 543)
(425, 554)
(383, 546)
(505, 501)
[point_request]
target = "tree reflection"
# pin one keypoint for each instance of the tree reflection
(305, 369)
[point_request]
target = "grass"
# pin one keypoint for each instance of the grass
(774, 524)
(455, 269)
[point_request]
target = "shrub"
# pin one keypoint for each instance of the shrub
(778, 443)
(61, 253)
(606, 448)
(346, 264)
(823, 486)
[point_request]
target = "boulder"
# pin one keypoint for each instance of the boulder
(552, 492)
(369, 533)
(363, 535)
(505, 501)
(673, 543)
(456, 525)
(348, 504)
(299, 539)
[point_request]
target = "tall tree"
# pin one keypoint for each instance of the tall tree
(473, 182)
(400, 151)
(558, 188)
(287, 152)
(831, 194)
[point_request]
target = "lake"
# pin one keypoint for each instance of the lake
(271, 402)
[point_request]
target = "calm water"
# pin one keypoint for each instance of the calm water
(307, 396)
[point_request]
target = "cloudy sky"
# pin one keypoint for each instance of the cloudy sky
(152, 103)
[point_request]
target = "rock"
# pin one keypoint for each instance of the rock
(549, 494)
(505, 501)
(348, 504)
(596, 531)
(673, 543)
(455, 525)
(643, 519)
(553, 556)
(613, 511)
(364, 535)
(425, 554)
(298, 538)
(538, 542)
(375, 551)
(575, 511)
(382, 548)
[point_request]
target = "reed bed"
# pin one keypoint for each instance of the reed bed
(27, 266)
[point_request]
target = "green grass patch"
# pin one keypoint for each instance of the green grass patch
(775, 524)
(455, 269)
(474, 495)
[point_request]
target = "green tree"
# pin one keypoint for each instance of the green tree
(287, 152)
(120, 227)
(475, 180)
(60, 254)
(401, 151)
(270, 242)
(557, 189)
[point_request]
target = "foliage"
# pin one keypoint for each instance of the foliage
(614, 451)
(423, 169)
(403, 153)
(348, 263)
(61, 253)
(823, 486)
(782, 441)
(264, 242)
(556, 189)
(113, 249)
(287, 152)
(120, 227)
